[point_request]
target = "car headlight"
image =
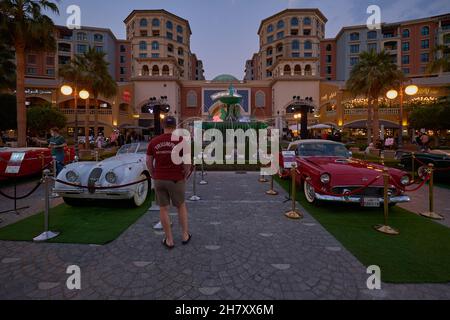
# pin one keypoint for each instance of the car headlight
(405, 180)
(325, 178)
(71, 176)
(111, 177)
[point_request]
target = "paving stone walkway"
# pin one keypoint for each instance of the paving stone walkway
(243, 248)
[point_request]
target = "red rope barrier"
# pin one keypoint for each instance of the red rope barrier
(412, 190)
(101, 188)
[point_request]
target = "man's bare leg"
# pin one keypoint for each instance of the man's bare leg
(183, 217)
(165, 221)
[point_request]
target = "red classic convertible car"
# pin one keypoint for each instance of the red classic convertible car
(31, 160)
(327, 172)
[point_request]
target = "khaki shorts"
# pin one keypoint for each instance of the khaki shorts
(167, 191)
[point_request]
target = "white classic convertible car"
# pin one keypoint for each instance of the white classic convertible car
(91, 180)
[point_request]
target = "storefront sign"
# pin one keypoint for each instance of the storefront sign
(37, 91)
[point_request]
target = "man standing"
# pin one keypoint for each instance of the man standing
(56, 144)
(170, 181)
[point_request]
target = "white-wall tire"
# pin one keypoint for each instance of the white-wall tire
(141, 192)
(309, 191)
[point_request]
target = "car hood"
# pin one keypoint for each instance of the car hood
(121, 160)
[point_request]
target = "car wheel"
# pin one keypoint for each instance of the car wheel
(310, 193)
(141, 192)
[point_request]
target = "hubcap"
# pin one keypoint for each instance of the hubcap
(309, 192)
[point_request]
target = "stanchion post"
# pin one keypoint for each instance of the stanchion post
(154, 206)
(54, 167)
(96, 155)
(46, 235)
(431, 214)
(294, 213)
(272, 192)
(203, 182)
(195, 197)
(385, 228)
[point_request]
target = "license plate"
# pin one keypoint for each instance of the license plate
(370, 203)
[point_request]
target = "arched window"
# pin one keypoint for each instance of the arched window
(295, 45)
(155, 45)
(307, 21)
(354, 36)
(260, 99)
(155, 70)
(170, 47)
(179, 29)
(294, 22)
(425, 31)
(405, 33)
(169, 25)
(269, 51)
(298, 70)
(192, 99)
(287, 70)
(280, 24)
(280, 47)
(269, 28)
(308, 45)
(308, 70)
(328, 48)
(145, 70)
(142, 45)
(155, 22)
(165, 70)
(143, 23)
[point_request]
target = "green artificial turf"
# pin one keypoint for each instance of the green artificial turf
(100, 223)
(420, 254)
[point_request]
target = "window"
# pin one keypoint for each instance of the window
(31, 59)
(405, 33)
(31, 70)
(425, 31)
(50, 61)
(294, 32)
(169, 35)
(405, 59)
(269, 51)
(142, 45)
(372, 35)
(308, 54)
(280, 24)
(179, 39)
(269, 28)
(268, 74)
(405, 46)
(166, 70)
(354, 36)
(98, 49)
(328, 59)
(169, 25)
(269, 39)
(191, 99)
(122, 48)
(156, 33)
(425, 44)
(354, 48)
(372, 47)
(181, 62)
(122, 70)
(180, 51)
(98, 37)
(81, 48)
(447, 39)
(308, 70)
(122, 59)
(269, 62)
(50, 72)
(170, 48)
(280, 35)
(142, 55)
(307, 32)
(297, 70)
(279, 48)
(81, 36)
(155, 22)
(155, 45)
(354, 61)
(406, 70)
(260, 99)
(295, 55)
(143, 23)
(155, 55)
(294, 22)
(307, 21)
(328, 48)
(144, 33)
(179, 29)
(155, 70)
(295, 45)
(329, 70)
(424, 57)
(308, 45)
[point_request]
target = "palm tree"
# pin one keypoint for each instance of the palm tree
(7, 68)
(101, 82)
(372, 76)
(442, 63)
(25, 27)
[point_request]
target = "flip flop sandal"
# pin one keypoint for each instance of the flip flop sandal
(166, 245)
(188, 240)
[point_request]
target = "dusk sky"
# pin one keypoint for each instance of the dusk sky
(224, 32)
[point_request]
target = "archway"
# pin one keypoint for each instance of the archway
(155, 70)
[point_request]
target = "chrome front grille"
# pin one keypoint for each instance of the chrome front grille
(93, 179)
(368, 192)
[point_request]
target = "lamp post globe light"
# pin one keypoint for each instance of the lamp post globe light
(159, 108)
(410, 90)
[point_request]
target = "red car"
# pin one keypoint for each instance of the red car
(34, 160)
(327, 172)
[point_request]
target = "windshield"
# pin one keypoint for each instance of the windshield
(142, 148)
(323, 150)
(128, 148)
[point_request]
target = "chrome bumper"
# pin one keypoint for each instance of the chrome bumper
(358, 199)
(78, 193)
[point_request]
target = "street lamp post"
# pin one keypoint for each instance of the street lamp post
(84, 94)
(304, 107)
(410, 90)
(298, 118)
(158, 107)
